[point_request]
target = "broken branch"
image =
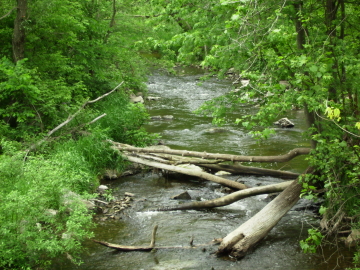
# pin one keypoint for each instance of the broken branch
(203, 175)
(282, 158)
(229, 199)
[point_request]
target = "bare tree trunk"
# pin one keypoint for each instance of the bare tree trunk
(240, 241)
(229, 199)
(282, 158)
(240, 169)
(18, 42)
(202, 175)
(214, 165)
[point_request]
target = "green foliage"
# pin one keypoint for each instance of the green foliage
(40, 217)
(75, 51)
(90, 152)
(30, 104)
(310, 244)
(124, 121)
(295, 54)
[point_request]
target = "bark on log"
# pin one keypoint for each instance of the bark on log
(240, 241)
(152, 244)
(229, 199)
(214, 164)
(202, 175)
(282, 158)
(237, 168)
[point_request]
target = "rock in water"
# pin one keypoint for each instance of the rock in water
(285, 123)
(182, 196)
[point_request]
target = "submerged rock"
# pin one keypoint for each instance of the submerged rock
(215, 130)
(168, 117)
(164, 117)
(153, 98)
(285, 123)
(182, 196)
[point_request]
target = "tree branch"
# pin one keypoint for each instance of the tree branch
(71, 117)
(282, 158)
(7, 14)
(229, 199)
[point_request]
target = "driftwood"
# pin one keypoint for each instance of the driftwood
(282, 158)
(229, 199)
(241, 240)
(244, 238)
(214, 164)
(203, 175)
(152, 244)
(241, 169)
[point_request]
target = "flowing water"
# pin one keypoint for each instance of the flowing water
(180, 96)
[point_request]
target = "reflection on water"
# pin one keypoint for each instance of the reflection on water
(180, 96)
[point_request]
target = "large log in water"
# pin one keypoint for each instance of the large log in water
(282, 158)
(202, 175)
(228, 199)
(240, 241)
(241, 169)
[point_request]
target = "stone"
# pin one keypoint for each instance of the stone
(244, 83)
(102, 188)
(285, 123)
(182, 196)
(215, 130)
(136, 99)
(88, 204)
(152, 98)
(168, 117)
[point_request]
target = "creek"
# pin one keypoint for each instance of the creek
(180, 95)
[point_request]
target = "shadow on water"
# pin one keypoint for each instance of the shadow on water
(180, 96)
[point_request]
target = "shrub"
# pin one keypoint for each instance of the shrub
(40, 218)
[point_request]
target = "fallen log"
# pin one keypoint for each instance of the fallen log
(152, 244)
(282, 158)
(241, 240)
(203, 175)
(214, 164)
(176, 160)
(240, 169)
(229, 199)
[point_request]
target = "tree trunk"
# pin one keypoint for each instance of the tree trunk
(202, 175)
(229, 199)
(214, 165)
(18, 42)
(240, 241)
(282, 158)
(240, 169)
